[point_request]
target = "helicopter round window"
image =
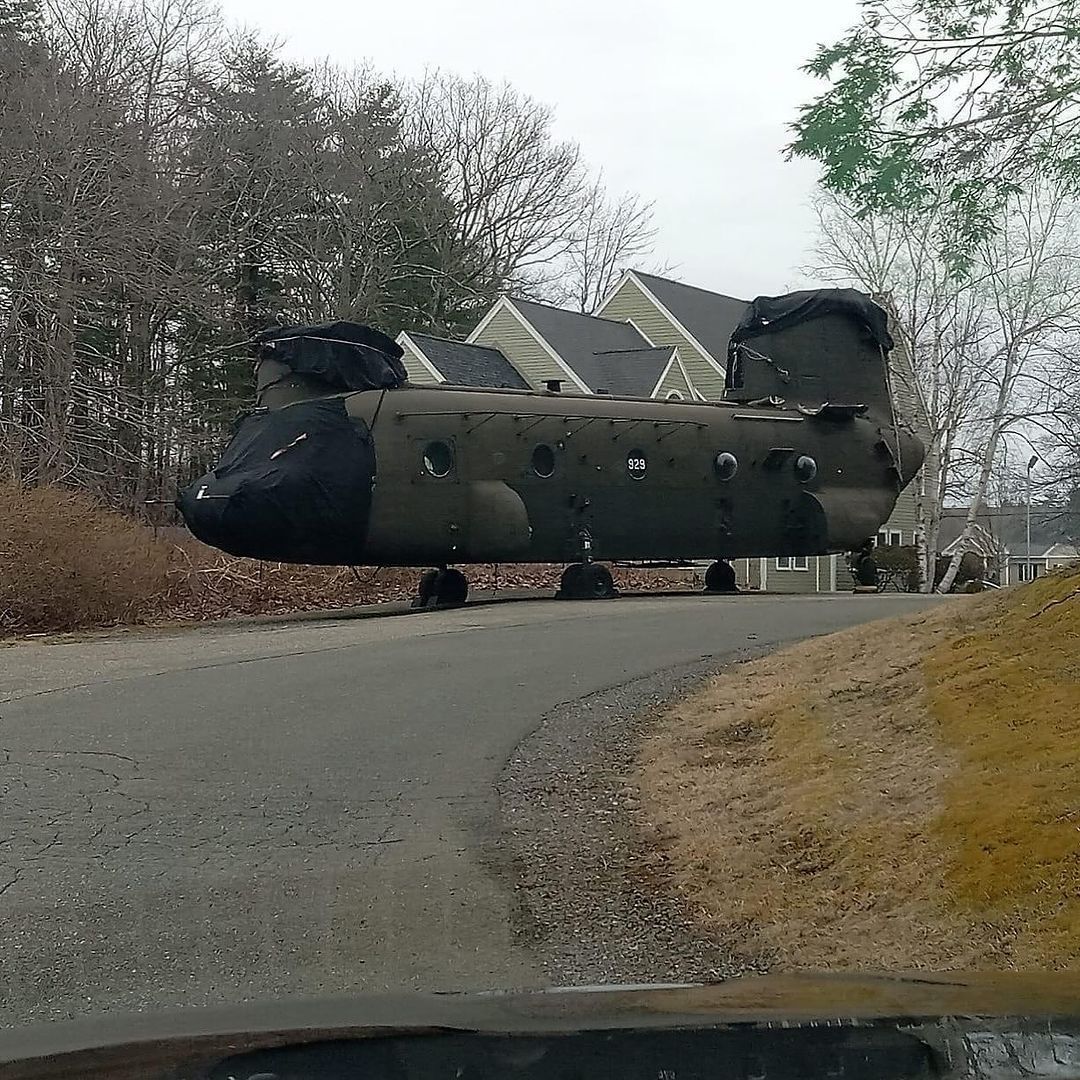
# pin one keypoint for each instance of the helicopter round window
(725, 465)
(543, 460)
(806, 468)
(636, 464)
(438, 459)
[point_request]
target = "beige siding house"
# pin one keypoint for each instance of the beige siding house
(429, 359)
(419, 369)
(505, 329)
(675, 384)
(668, 312)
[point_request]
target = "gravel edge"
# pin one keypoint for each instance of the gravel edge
(567, 839)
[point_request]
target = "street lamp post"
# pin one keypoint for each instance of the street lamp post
(1030, 466)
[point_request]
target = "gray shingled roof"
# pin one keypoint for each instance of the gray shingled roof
(574, 336)
(624, 372)
(709, 316)
(468, 365)
(1008, 526)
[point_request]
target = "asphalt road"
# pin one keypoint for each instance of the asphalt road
(235, 814)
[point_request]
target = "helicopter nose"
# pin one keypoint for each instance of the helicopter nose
(294, 485)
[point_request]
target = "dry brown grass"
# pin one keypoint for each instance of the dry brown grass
(67, 563)
(903, 795)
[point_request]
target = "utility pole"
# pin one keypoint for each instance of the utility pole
(1030, 466)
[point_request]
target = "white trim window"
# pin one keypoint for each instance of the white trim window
(793, 562)
(674, 395)
(1027, 571)
(890, 538)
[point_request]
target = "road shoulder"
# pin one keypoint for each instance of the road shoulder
(566, 840)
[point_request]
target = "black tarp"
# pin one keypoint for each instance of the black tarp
(293, 485)
(341, 355)
(769, 314)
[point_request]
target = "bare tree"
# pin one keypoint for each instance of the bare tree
(610, 234)
(519, 193)
(168, 186)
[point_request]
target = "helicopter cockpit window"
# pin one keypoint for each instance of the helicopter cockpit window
(438, 459)
(636, 464)
(726, 465)
(543, 460)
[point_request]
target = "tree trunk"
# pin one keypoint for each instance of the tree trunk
(53, 452)
(986, 468)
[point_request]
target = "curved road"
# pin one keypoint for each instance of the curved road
(230, 814)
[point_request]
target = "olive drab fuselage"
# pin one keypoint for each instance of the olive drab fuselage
(469, 475)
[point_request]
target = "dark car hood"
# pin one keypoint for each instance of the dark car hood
(1017, 1019)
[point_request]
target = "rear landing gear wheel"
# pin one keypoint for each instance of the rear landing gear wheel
(586, 581)
(720, 578)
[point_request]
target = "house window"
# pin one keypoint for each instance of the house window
(674, 395)
(890, 538)
(793, 562)
(1027, 571)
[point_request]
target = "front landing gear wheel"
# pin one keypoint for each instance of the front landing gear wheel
(586, 581)
(441, 588)
(425, 589)
(450, 588)
(720, 578)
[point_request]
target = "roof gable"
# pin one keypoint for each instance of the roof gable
(573, 335)
(468, 365)
(707, 317)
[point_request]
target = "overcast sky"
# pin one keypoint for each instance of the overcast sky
(685, 104)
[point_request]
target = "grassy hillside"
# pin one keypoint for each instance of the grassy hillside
(905, 794)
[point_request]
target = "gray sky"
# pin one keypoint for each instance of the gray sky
(685, 104)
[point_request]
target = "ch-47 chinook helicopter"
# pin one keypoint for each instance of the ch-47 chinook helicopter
(344, 462)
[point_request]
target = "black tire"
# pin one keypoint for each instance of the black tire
(866, 571)
(425, 588)
(450, 588)
(596, 582)
(570, 583)
(720, 578)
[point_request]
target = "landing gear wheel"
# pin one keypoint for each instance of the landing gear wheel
(586, 581)
(450, 588)
(570, 583)
(720, 578)
(425, 589)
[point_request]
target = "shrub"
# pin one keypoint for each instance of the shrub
(70, 563)
(904, 560)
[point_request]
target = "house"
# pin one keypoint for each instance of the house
(523, 344)
(697, 321)
(586, 353)
(651, 337)
(431, 360)
(1000, 538)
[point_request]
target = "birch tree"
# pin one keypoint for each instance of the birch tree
(1031, 278)
(940, 324)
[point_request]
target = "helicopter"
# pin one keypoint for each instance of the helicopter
(343, 462)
